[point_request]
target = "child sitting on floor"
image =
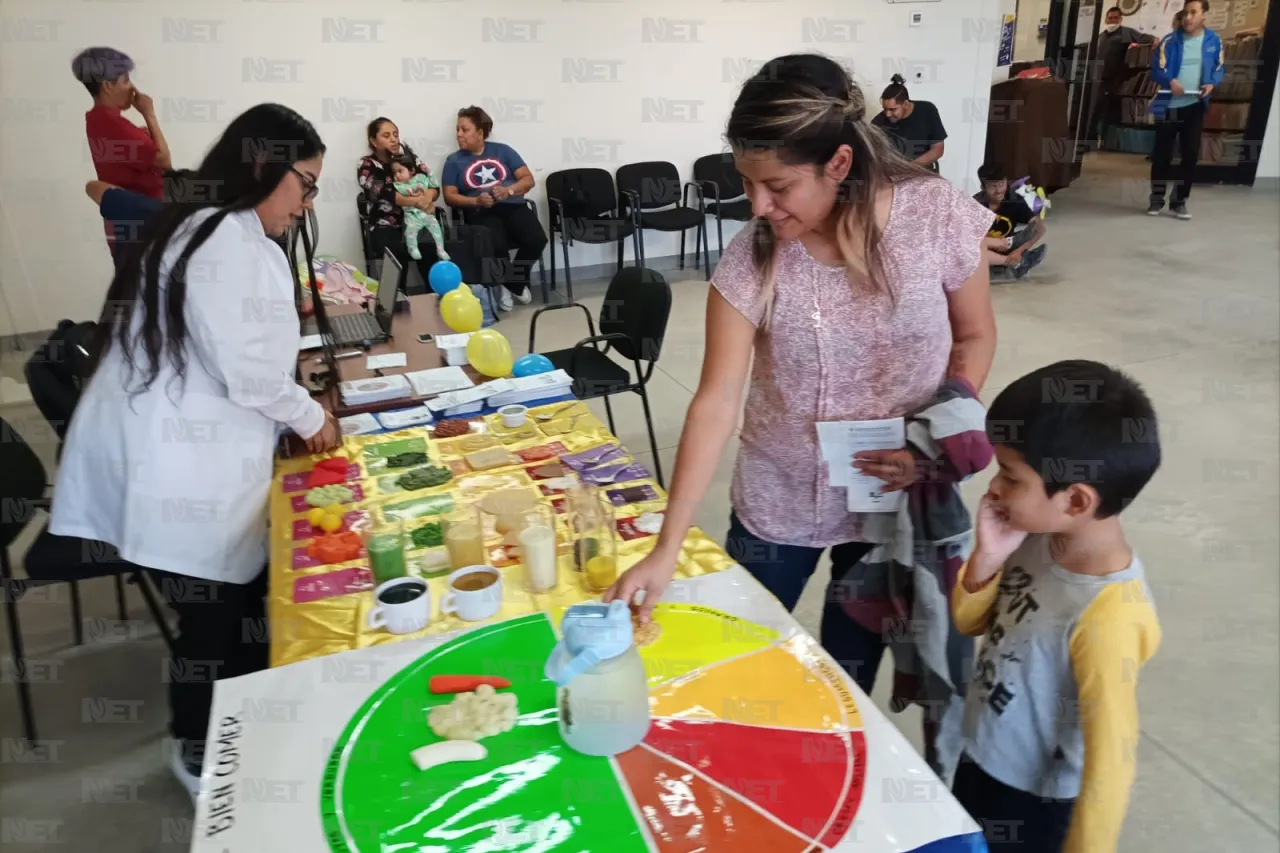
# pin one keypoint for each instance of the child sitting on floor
(1011, 244)
(1051, 716)
(409, 181)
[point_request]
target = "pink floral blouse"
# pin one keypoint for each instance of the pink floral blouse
(832, 355)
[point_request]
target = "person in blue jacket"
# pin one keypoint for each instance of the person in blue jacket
(1186, 65)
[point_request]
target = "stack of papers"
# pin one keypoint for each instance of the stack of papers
(363, 392)
(404, 418)
(359, 425)
(438, 380)
(456, 403)
(839, 440)
(391, 359)
(526, 388)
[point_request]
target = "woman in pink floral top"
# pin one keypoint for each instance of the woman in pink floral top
(385, 205)
(855, 293)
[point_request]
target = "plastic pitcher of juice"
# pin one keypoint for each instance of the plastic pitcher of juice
(602, 691)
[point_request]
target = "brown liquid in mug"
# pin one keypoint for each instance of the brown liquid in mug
(475, 581)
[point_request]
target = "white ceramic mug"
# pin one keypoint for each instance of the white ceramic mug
(473, 605)
(514, 416)
(401, 617)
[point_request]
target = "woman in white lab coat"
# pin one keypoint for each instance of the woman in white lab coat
(169, 454)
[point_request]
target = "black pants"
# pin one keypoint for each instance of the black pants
(387, 237)
(1013, 821)
(512, 225)
(1185, 125)
(221, 634)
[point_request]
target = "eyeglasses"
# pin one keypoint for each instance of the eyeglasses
(309, 187)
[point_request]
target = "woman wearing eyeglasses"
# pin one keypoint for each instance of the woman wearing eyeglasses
(169, 455)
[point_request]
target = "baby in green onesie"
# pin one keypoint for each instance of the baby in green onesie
(408, 180)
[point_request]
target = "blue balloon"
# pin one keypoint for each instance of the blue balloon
(444, 277)
(531, 365)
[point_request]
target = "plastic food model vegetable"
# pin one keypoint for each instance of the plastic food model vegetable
(471, 716)
(325, 495)
(428, 536)
(329, 472)
(452, 428)
(424, 478)
(429, 756)
(407, 460)
(464, 683)
(328, 518)
(335, 547)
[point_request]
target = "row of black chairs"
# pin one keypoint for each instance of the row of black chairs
(589, 205)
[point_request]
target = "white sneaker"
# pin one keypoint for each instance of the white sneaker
(525, 296)
(185, 777)
(504, 299)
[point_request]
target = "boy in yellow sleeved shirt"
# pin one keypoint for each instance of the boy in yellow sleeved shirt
(1051, 716)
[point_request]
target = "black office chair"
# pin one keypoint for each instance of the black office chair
(722, 186)
(653, 188)
(633, 323)
(56, 373)
(584, 207)
(50, 559)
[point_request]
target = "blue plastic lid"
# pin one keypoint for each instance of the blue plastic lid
(591, 633)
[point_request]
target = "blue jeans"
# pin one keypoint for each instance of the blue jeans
(785, 569)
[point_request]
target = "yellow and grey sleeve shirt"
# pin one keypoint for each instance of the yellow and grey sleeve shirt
(1052, 707)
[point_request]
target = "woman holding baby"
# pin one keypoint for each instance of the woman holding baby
(385, 205)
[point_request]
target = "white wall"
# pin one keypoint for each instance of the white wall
(677, 65)
(1028, 46)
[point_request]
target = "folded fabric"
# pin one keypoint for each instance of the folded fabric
(594, 456)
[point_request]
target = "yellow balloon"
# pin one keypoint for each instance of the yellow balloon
(461, 310)
(490, 353)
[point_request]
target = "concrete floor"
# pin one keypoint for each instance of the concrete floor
(1191, 309)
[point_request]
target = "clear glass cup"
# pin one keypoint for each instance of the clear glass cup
(595, 539)
(385, 544)
(536, 539)
(463, 531)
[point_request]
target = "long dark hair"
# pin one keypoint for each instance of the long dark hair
(253, 155)
(804, 107)
(372, 131)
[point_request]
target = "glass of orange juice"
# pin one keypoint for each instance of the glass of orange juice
(464, 536)
(595, 542)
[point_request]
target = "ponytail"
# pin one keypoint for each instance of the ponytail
(896, 90)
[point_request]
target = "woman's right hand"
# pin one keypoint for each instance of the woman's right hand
(651, 575)
(329, 436)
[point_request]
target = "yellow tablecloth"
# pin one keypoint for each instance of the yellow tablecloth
(322, 627)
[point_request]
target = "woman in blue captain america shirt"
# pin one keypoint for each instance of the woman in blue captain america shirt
(488, 181)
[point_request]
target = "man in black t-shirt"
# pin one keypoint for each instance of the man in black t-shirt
(1011, 244)
(914, 126)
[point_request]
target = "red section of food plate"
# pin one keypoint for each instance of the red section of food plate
(803, 778)
(686, 813)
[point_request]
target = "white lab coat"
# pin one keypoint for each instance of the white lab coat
(177, 476)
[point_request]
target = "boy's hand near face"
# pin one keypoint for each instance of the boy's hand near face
(996, 542)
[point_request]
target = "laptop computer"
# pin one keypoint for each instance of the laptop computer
(365, 329)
